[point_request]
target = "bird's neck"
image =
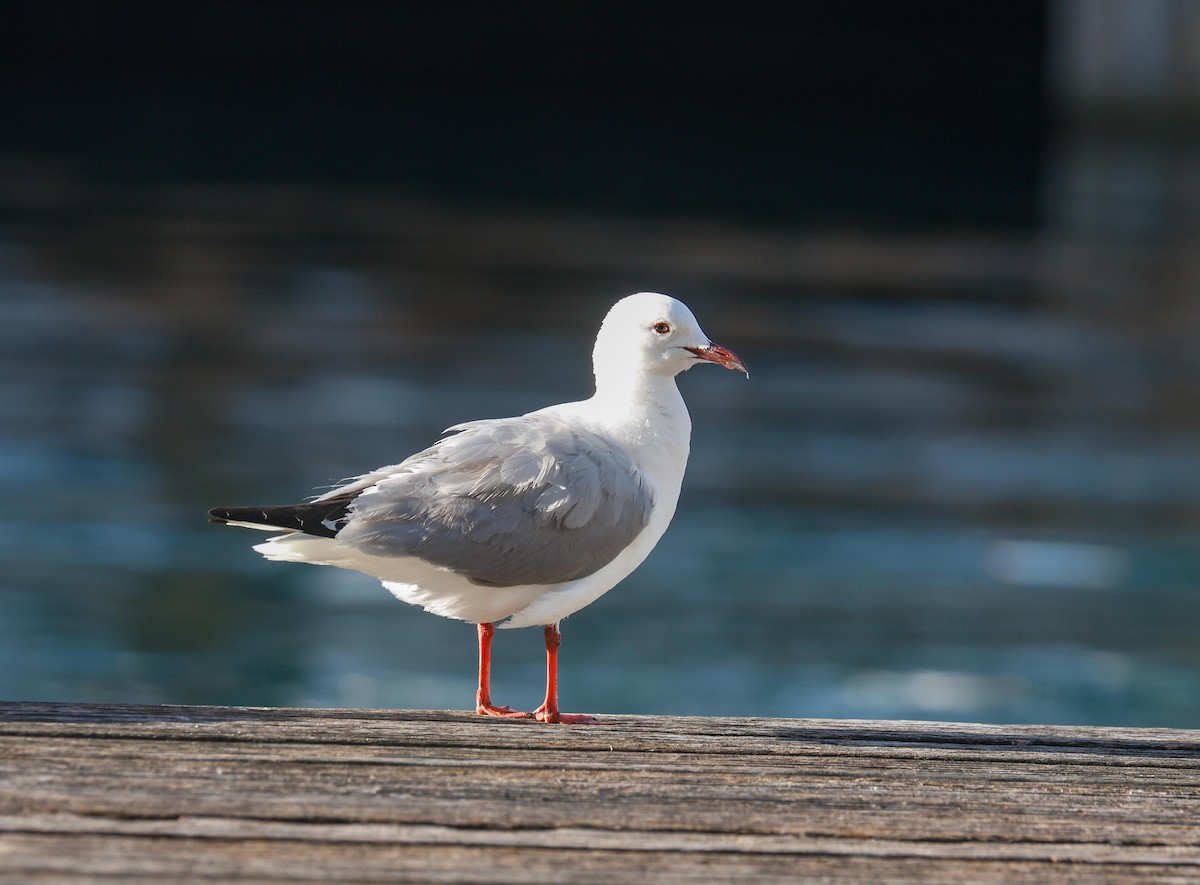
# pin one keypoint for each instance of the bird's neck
(648, 415)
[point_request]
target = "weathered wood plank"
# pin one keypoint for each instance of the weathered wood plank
(295, 795)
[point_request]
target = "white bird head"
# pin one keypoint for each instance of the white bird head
(649, 333)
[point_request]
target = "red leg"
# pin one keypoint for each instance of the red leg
(483, 697)
(548, 711)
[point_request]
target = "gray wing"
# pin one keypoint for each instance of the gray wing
(528, 500)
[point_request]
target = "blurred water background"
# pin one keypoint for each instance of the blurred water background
(243, 255)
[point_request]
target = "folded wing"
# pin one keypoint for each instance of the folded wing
(507, 502)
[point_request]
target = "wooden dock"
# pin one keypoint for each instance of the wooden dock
(204, 794)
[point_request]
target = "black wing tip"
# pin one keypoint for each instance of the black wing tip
(261, 516)
(224, 515)
(319, 518)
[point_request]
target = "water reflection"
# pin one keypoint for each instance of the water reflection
(963, 483)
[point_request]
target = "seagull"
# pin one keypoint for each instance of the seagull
(518, 522)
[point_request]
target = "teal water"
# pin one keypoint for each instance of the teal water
(957, 486)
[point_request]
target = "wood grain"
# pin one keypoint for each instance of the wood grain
(264, 795)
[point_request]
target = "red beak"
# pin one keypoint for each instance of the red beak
(715, 353)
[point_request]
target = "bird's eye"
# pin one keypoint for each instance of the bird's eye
(661, 328)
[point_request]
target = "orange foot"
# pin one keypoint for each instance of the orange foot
(542, 714)
(502, 712)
